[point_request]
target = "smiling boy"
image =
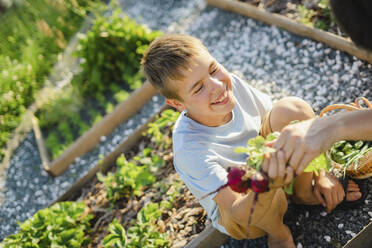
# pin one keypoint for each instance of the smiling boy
(219, 113)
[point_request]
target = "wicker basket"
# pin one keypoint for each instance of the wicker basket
(364, 168)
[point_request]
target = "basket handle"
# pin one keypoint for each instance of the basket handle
(356, 105)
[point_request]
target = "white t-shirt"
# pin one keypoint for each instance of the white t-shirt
(202, 154)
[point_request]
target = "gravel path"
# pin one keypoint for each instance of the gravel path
(273, 60)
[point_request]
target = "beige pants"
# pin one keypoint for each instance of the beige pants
(268, 211)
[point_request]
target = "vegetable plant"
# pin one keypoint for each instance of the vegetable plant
(130, 176)
(111, 52)
(143, 234)
(157, 129)
(64, 224)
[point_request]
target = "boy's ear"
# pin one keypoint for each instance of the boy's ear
(176, 104)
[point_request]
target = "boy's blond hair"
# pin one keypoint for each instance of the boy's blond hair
(167, 58)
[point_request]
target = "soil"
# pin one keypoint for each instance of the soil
(289, 8)
(183, 222)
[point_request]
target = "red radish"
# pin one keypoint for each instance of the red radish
(259, 183)
(236, 180)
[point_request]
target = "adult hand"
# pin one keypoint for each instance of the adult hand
(302, 142)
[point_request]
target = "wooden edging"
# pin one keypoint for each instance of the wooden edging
(92, 137)
(109, 160)
(328, 38)
(362, 239)
(208, 238)
(40, 143)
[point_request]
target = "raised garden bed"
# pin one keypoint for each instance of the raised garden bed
(106, 80)
(135, 189)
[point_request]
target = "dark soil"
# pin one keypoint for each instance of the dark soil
(319, 17)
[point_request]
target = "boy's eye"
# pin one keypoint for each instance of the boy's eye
(214, 71)
(199, 89)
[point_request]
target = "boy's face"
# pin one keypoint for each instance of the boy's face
(206, 91)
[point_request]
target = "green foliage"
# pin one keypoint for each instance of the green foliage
(318, 163)
(117, 237)
(59, 118)
(143, 234)
(305, 15)
(349, 153)
(64, 224)
(111, 53)
(256, 150)
(130, 176)
(31, 36)
(318, 17)
(156, 129)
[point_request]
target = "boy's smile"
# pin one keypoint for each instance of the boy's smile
(206, 91)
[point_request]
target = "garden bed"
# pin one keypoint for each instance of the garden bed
(129, 189)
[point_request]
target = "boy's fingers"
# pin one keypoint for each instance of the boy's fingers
(331, 200)
(320, 197)
(273, 166)
(281, 164)
(289, 176)
(265, 164)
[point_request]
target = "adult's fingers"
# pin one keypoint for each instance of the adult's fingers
(305, 161)
(281, 164)
(288, 149)
(296, 157)
(273, 170)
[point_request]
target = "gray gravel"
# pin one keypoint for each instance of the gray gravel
(29, 188)
(273, 60)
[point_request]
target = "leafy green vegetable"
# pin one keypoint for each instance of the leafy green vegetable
(256, 150)
(65, 224)
(349, 153)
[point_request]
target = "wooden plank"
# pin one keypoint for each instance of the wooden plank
(110, 159)
(208, 238)
(362, 240)
(283, 22)
(91, 138)
(40, 143)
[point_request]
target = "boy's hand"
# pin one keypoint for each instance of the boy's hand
(328, 190)
(274, 166)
